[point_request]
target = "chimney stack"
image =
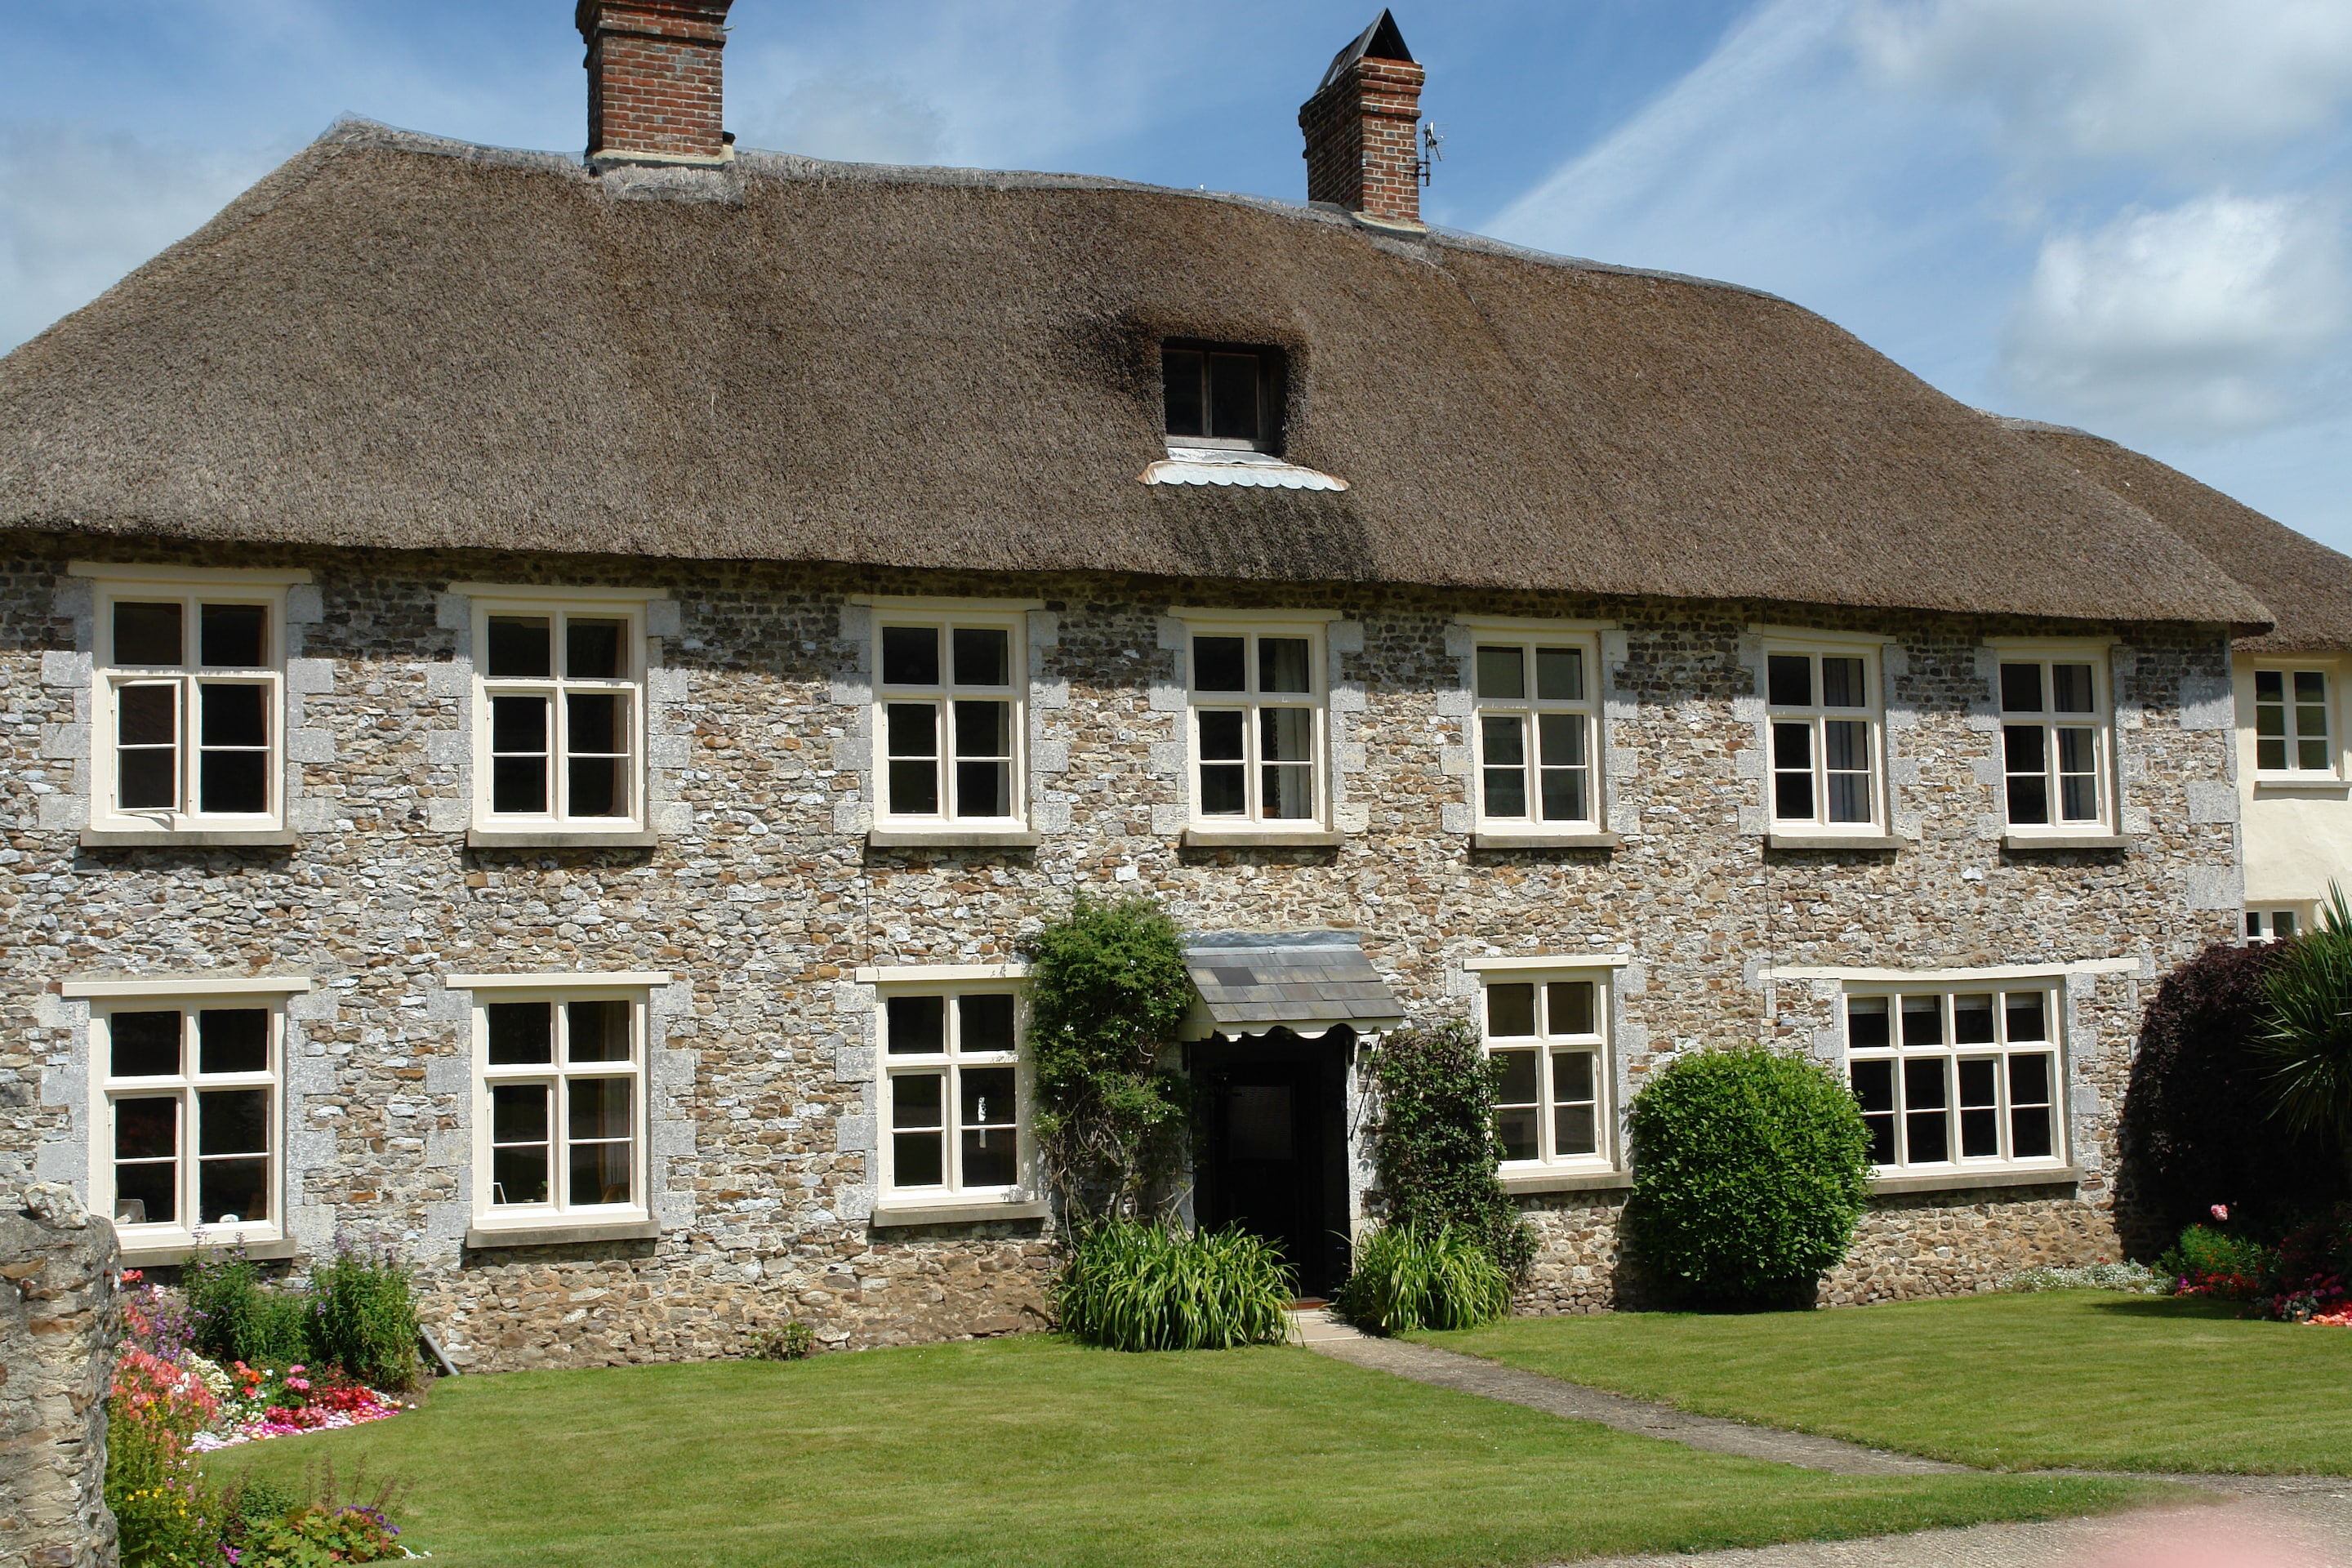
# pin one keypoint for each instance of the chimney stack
(654, 83)
(1362, 124)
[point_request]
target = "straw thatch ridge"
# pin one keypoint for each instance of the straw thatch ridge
(2307, 586)
(409, 343)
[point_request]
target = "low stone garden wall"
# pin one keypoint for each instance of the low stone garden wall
(59, 1328)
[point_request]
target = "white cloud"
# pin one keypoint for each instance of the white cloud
(2177, 82)
(78, 210)
(2221, 315)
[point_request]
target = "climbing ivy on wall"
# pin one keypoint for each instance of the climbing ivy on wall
(1434, 1151)
(1107, 990)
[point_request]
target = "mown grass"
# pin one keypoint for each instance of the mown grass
(2064, 1378)
(1036, 1451)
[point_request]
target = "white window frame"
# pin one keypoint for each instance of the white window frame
(1948, 1052)
(1312, 627)
(950, 1065)
(191, 588)
(1529, 710)
(2262, 922)
(189, 998)
(944, 617)
(2100, 721)
(2290, 711)
(1815, 716)
(1547, 1047)
(557, 991)
(557, 606)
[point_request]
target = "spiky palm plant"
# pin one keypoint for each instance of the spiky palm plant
(2308, 1025)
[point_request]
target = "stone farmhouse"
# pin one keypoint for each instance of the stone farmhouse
(543, 693)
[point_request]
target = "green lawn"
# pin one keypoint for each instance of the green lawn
(1033, 1451)
(2069, 1377)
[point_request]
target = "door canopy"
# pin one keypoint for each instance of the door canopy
(1307, 981)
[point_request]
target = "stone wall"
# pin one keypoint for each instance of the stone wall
(762, 899)
(58, 1326)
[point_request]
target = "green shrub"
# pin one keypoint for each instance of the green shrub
(165, 1515)
(790, 1340)
(1750, 1169)
(362, 1317)
(1134, 1286)
(1407, 1278)
(238, 1317)
(2209, 1262)
(1434, 1150)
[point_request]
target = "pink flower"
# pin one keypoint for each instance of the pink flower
(2221, 1211)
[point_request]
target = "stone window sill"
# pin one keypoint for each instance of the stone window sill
(561, 1235)
(2031, 841)
(517, 838)
(1874, 843)
(1566, 1181)
(1969, 1180)
(264, 1249)
(1506, 840)
(1262, 838)
(952, 838)
(2301, 784)
(190, 838)
(966, 1213)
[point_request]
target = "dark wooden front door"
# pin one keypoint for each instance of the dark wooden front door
(1275, 1159)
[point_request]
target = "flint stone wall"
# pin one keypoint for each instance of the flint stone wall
(762, 899)
(58, 1326)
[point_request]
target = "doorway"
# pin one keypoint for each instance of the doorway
(1275, 1156)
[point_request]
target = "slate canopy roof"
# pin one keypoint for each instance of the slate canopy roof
(401, 342)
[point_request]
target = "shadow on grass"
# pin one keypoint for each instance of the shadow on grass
(2172, 1307)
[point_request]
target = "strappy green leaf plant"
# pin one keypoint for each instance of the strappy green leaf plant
(2306, 1036)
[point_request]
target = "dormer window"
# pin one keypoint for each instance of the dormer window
(1222, 397)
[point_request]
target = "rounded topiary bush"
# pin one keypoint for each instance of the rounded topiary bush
(1750, 1169)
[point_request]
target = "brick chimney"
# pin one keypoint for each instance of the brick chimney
(1361, 152)
(654, 83)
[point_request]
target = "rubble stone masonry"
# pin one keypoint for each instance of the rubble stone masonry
(762, 898)
(59, 1327)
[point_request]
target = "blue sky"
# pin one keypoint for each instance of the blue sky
(2135, 215)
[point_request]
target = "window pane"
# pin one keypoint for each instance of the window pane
(1283, 665)
(2311, 754)
(521, 649)
(600, 1173)
(1792, 796)
(1563, 739)
(1925, 1128)
(147, 634)
(1233, 396)
(1979, 1112)
(2029, 1078)
(2270, 754)
(991, 1157)
(598, 723)
(1874, 1085)
(147, 715)
(518, 724)
(1789, 680)
(918, 1159)
(519, 1175)
(1792, 774)
(1180, 377)
(1560, 675)
(1574, 1131)
(1511, 1011)
(1980, 1134)
(1865, 1023)
(2030, 1133)
(2078, 778)
(2025, 1018)
(1505, 793)
(2270, 686)
(597, 1031)
(917, 1101)
(146, 1129)
(2070, 687)
(983, 789)
(1973, 1019)
(983, 656)
(1845, 745)
(599, 1108)
(1219, 664)
(1849, 797)
(230, 636)
(913, 729)
(1221, 736)
(144, 1045)
(1224, 791)
(1289, 792)
(1564, 795)
(1979, 1081)
(1923, 1021)
(983, 728)
(1502, 672)
(2023, 748)
(597, 786)
(1572, 1077)
(1515, 1079)
(229, 1192)
(910, 656)
(2029, 798)
(986, 1022)
(2021, 688)
(594, 650)
(519, 784)
(913, 741)
(1285, 734)
(519, 1113)
(523, 1033)
(233, 1122)
(231, 1040)
(918, 1025)
(230, 715)
(232, 783)
(2282, 924)
(1568, 1006)
(985, 1096)
(1842, 684)
(983, 738)
(1503, 746)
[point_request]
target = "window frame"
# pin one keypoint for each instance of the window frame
(2260, 925)
(2049, 988)
(1316, 699)
(557, 991)
(2101, 722)
(1547, 1047)
(945, 616)
(184, 1233)
(190, 589)
(2330, 675)
(1273, 393)
(1530, 710)
(559, 607)
(1816, 715)
(949, 1064)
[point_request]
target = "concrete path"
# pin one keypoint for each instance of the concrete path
(2253, 1522)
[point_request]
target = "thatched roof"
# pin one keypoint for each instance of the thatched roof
(402, 342)
(2307, 586)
